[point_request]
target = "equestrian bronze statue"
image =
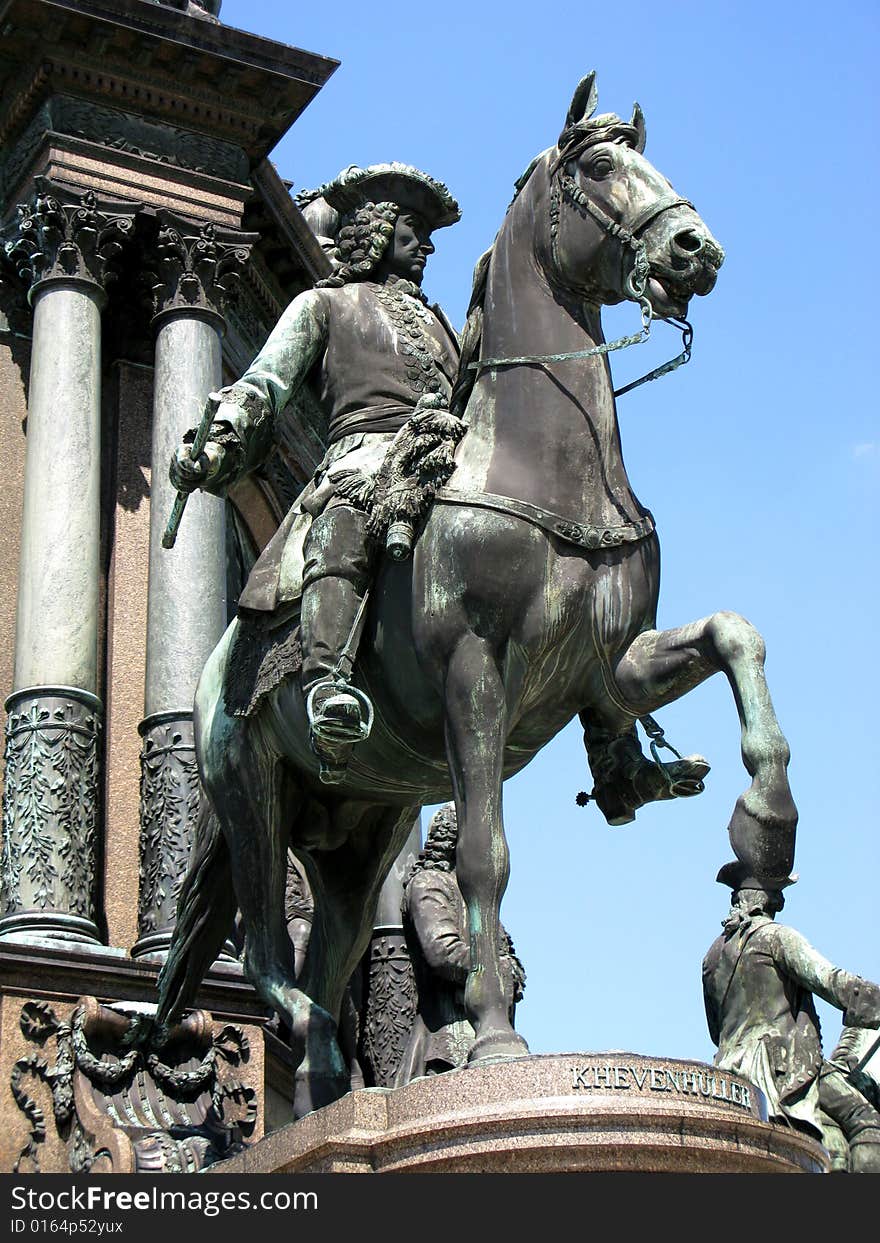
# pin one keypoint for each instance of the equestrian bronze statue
(530, 596)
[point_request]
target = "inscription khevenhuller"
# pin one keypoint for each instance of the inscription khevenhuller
(619, 1077)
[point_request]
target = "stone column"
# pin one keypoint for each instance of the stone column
(186, 605)
(391, 992)
(63, 249)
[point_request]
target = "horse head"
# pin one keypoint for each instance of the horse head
(617, 229)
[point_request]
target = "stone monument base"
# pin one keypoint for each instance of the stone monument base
(549, 1113)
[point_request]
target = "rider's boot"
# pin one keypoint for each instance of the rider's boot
(335, 580)
(625, 779)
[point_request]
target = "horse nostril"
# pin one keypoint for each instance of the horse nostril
(689, 241)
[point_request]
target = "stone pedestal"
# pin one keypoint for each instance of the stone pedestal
(550, 1113)
(88, 1091)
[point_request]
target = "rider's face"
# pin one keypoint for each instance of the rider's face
(410, 247)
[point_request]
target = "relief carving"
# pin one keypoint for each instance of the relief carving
(169, 806)
(390, 1009)
(50, 804)
(195, 267)
(128, 1096)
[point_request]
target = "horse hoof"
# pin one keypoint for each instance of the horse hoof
(497, 1046)
(764, 842)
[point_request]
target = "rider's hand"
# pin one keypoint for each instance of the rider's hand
(187, 474)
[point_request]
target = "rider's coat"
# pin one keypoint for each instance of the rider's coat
(369, 351)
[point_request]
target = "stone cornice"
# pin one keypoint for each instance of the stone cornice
(157, 62)
(72, 972)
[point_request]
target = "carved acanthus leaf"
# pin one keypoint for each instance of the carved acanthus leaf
(391, 1008)
(60, 234)
(50, 806)
(169, 807)
(196, 266)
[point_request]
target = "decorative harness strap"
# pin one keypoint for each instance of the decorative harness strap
(583, 535)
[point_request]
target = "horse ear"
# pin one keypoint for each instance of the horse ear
(638, 124)
(584, 100)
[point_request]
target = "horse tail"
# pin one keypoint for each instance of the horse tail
(471, 337)
(206, 913)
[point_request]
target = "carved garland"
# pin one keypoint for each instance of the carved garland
(118, 1072)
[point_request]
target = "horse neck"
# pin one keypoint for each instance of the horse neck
(544, 434)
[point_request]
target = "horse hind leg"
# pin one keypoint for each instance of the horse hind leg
(257, 800)
(476, 727)
(345, 884)
(661, 666)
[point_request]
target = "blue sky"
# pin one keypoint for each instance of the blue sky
(760, 460)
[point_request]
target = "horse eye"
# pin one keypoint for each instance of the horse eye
(601, 167)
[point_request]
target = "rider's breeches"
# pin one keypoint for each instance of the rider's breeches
(336, 575)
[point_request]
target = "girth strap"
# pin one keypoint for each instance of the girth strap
(584, 535)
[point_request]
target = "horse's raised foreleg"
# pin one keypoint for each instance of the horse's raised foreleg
(660, 666)
(476, 723)
(255, 800)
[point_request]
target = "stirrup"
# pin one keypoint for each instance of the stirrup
(338, 714)
(625, 788)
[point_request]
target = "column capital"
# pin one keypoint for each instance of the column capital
(15, 314)
(67, 237)
(194, 267)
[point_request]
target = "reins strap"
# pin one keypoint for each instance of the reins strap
(636, 338)
(687, 337)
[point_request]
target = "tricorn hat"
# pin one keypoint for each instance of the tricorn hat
(738, 876)
(393, 183)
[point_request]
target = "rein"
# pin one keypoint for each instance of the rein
(634, 285)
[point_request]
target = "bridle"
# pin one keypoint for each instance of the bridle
(635, 278)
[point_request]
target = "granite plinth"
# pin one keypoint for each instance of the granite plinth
(549, 1113)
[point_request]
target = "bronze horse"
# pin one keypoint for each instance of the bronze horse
(531, 597)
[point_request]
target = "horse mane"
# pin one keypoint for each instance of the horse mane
(573, 141)
(471, 336)
(472, 333)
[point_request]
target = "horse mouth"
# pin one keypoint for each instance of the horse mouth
(670, 293)
(668, 298)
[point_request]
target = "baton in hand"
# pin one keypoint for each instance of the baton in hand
(199, 441)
